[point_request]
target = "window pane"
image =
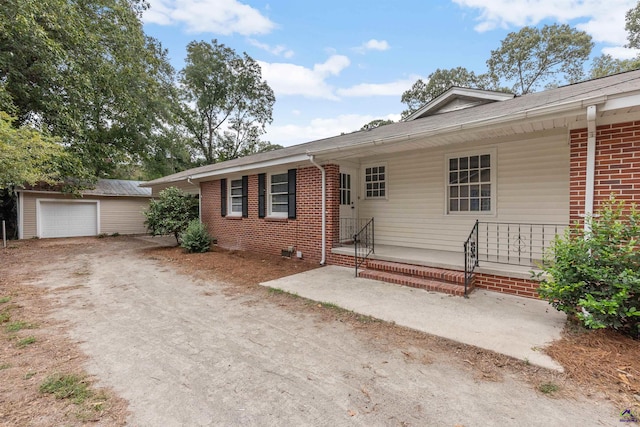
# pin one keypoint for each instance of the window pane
(473, 176)
(464, 163)
(279, 188)
(236, 191)
(369, 186)
(475, 191)
(474, 162)
(453, 205)
(453, 177)
(464, 191)
(279, 198)
(382, 193)
(474, 205)
(486, 204)
(485, 190)
(381, 169)
(453, 191)
(485, 175)
(464, 205)
(464, 177)
(485, 161)
(279, 208)
(453, 164)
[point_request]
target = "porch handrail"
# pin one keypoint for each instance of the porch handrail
(515, 243)
(364, 238)
(470, 256)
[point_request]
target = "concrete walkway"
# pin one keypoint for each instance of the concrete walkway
(515, 326)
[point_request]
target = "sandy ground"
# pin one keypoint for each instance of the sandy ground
(184, 351)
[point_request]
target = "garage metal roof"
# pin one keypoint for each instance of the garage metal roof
(118, 187)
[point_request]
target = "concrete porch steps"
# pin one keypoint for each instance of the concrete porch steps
(417, 276)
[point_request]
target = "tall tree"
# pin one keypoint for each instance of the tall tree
(605, 65)
(227, 104)
(29, 157)
(632, 25)
(84, 71)
(376, 124)
(532, 57)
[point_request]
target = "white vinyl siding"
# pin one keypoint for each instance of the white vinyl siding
(531, 186)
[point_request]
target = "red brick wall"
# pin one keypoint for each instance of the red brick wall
(273, 235)
(507, 285)
(617, 165)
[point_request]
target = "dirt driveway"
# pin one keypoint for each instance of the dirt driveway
(185, 351)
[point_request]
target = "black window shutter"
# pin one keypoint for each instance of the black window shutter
(261, 195)
(292, 193)
(245, 196)
(223, 197)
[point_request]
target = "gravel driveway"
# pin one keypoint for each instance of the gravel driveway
(185, 352)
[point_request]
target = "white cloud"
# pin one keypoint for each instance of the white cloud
(373, 44)
(209, 16)
(395, 88)
(278, 50)
(320, 128)
(604, 19)
(292, 79)
(621, 52)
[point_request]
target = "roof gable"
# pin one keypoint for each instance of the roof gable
(458, 98)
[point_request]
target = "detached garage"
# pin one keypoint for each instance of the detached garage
(113, 206)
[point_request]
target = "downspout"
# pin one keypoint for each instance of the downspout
(324, 213)
(199, 198)
(591, 168)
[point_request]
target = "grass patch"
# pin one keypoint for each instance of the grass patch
(5, 300)
(17, 326)
(278, 291)
(29, 375)
(26, 341)
(548, 388)
(4, 366)
(66, 387)
(5, 316)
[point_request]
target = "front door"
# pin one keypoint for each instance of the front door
(348, 203)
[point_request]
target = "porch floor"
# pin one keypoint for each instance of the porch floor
(440, 259)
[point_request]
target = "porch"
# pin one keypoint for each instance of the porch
(448, 260)
(495, 256)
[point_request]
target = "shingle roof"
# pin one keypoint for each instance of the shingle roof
(504, 110)
(118, 187)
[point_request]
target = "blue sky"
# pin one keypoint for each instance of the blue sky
(336, 65)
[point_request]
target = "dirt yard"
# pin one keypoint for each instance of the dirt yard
(165, 338)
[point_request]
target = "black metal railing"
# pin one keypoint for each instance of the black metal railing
(363, 242)
(470, 256)
(515, 243)
(349, 227)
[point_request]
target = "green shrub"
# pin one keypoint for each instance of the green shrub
(171, 212)
(196, 238)
(595, 276)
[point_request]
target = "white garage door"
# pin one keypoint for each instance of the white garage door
(67, 219)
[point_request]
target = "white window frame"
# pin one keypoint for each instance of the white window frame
(492, 152)
(230, 197)
(385, 181)
(270, 194)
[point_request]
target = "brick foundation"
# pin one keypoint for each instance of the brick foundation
(507, 285)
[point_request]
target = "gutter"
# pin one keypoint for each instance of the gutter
(591, 167)
(324, 213)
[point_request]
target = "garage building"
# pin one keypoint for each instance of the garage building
(113, 206)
